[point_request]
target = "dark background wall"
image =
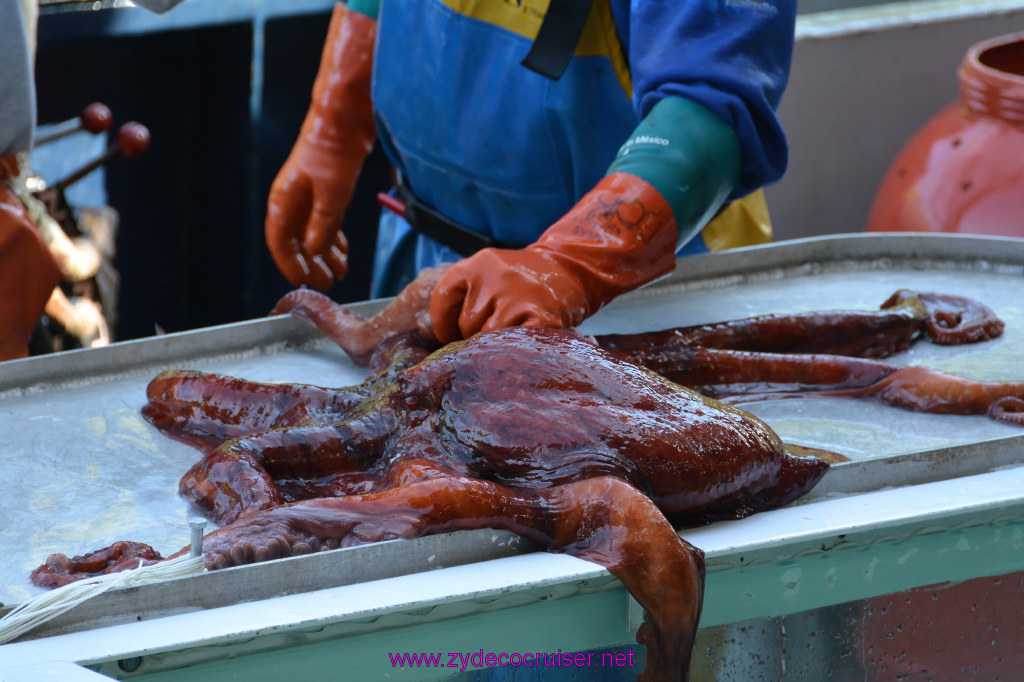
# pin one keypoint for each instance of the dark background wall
(190, 248)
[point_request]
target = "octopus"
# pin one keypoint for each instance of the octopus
(595, 447)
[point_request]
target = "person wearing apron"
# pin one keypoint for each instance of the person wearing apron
(563, 152)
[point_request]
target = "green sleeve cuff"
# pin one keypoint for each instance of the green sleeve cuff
(368, 7)
(689, 155)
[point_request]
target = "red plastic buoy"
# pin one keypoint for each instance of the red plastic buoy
(963, 171)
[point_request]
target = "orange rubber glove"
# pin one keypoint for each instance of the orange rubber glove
(312, 190)
(619, 236)
(28, 275)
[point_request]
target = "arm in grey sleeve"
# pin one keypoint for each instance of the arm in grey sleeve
(17, 86)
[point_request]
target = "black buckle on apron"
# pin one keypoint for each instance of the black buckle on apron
(558, 37)
(428, 222)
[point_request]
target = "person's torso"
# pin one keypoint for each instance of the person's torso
(482, 139)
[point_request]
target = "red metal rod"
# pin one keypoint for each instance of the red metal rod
(95, 118)
(392, 203)
(132, 142)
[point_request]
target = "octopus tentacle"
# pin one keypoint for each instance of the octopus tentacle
(924, 389)
(398, 353)
(903, 317)
(609, 522)
(1009, 409)
(853, 333)
(604, 520)
(740, 376)
(252, 473)
(951, 320)
(408, 312)
(204, 410)
(721, 373)
(435, 505)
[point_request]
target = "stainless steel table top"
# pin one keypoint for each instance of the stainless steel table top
(82, 469)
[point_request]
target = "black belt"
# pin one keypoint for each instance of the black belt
(428, 222)
(556, 41)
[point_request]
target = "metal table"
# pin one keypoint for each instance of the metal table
(927, 499)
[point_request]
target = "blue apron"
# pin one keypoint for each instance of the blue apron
(486, 142)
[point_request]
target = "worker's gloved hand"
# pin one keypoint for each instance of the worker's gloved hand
(312, 190)
(619, 236)
(28, 275)
(665, 184)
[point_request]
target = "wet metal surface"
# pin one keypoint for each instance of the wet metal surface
(83, 469)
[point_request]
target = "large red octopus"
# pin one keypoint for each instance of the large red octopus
(573, 444)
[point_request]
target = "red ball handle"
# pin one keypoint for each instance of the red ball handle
(132, 140)
(96, 118)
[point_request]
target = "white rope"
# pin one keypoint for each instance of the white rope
(45, 607)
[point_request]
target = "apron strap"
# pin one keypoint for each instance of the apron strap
(558, 36)
(428, 222)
